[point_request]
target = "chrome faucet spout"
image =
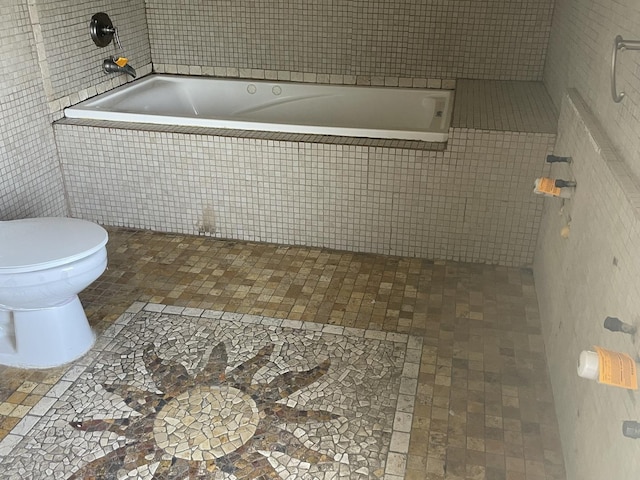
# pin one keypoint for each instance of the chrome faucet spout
(110, 66)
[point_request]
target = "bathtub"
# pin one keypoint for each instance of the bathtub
(349, 111)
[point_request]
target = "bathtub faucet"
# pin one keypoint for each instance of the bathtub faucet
(110, 65)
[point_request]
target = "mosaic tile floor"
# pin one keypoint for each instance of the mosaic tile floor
(341, 365)
(213, 394)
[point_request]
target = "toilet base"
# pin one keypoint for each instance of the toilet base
(44, 338)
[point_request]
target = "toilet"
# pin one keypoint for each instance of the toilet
(44, 264)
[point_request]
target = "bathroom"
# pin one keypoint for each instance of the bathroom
(563, 46)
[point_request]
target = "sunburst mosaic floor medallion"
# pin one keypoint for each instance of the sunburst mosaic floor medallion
(173, 393)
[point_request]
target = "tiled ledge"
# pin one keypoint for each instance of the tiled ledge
(504, 106)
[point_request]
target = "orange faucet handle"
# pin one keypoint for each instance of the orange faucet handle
(121, 61)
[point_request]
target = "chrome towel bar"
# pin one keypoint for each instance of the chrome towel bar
(620, 44)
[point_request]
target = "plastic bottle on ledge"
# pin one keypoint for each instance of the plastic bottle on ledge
(553, 188)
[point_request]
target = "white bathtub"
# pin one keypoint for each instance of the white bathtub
(352, 111)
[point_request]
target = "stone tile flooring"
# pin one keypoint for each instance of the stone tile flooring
(212, 391)
(483, 407)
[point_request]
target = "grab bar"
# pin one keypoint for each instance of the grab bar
(620, 44)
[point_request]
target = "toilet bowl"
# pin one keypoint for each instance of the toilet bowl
(44, 264)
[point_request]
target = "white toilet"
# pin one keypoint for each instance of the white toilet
(44, 264)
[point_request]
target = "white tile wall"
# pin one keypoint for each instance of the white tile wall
(48, 62)
(301, 77)
(30, 178)
(72, 61)
(583, 279)
(409, 38)
(579, 57)
(472, 202)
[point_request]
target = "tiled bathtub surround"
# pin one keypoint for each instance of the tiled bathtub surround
(488, 39)
(581, 280)
(472, 202)
(483, 407)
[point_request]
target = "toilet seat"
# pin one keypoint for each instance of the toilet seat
(33, 244)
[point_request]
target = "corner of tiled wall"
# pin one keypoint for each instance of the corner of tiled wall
(30, 177)
(579, 56)
(70, 63)
(472, 202)
(54, 63)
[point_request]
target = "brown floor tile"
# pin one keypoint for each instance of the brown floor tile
(483, 408)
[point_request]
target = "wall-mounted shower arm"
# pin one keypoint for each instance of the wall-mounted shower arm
(620, 44)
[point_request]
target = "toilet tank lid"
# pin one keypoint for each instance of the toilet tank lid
(37, 243)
